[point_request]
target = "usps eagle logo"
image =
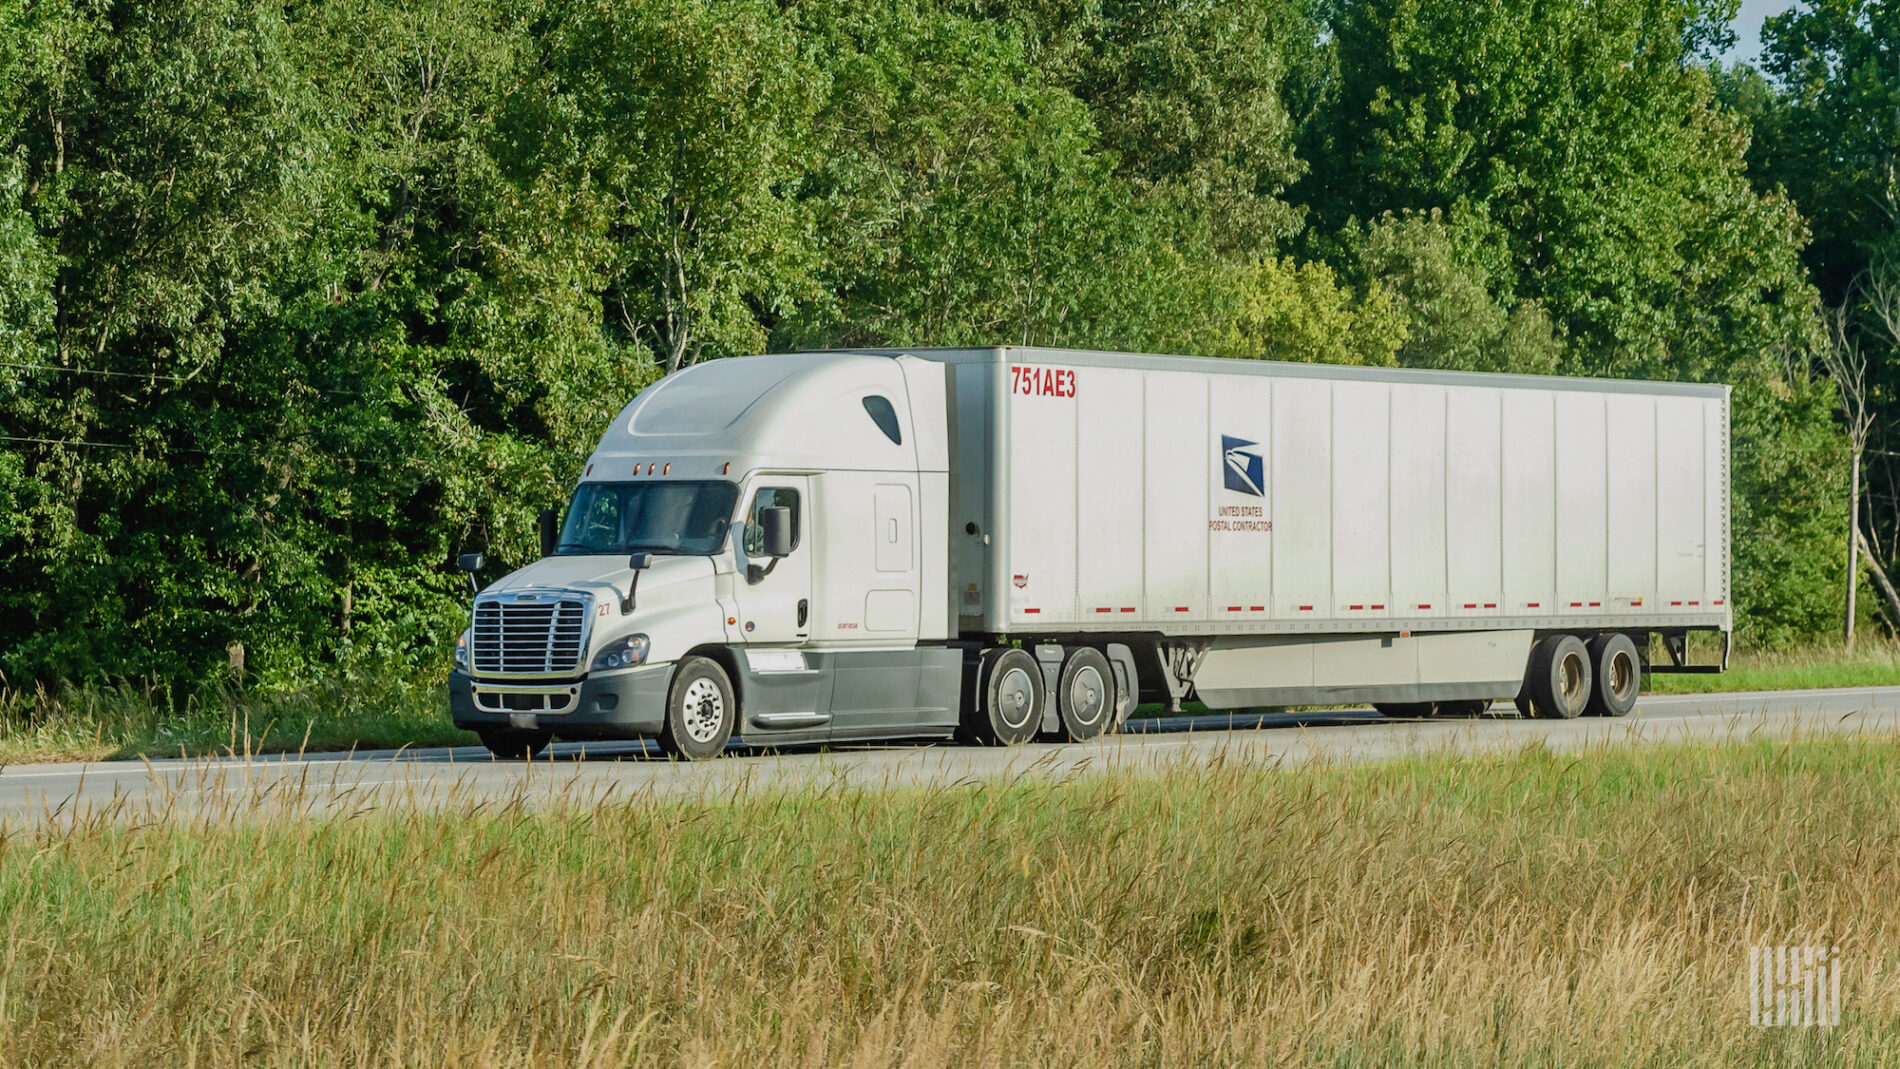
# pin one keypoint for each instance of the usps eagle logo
(1242, 466)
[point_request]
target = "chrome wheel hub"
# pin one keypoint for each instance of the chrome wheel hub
(1015, 692)
(703, 710)
(1086, 694)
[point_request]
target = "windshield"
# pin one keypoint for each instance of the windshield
(687, 518)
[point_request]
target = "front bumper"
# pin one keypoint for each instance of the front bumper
(603, 705)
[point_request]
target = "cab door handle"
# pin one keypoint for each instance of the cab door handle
(804, 608)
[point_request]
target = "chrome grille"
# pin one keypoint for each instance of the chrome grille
(539, 637)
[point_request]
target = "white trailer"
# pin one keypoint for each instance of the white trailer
(1000, 543)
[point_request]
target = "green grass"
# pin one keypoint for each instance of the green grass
(1534, 909)
(1874, 663)
(100, 722)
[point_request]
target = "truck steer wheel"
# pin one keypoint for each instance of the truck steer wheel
(1085, 697)
(1560, 678)
(1619, 675)
(513, 744)
(700, 711)
(1011, 699)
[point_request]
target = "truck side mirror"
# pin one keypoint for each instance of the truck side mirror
(471, 563)
(547, 519)
(639, 562)
(775, 528)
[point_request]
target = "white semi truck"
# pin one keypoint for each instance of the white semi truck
(1004, 543)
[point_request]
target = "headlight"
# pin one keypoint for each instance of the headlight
(461, 651)
(622, 653)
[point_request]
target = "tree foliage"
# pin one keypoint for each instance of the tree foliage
(298, 301)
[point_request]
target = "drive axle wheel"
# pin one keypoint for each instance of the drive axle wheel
(1560, 678)
(1009, 699)
(1086, 695)
(1619, 675)
(513, 744)
(700, 711)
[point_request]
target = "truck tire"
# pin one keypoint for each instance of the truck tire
(1085, 697)
(1008, 706)
(1560, 678)
(1619, 675)
(700, 711)
(513, 744)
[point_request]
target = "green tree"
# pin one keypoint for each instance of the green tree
(1831, 136)
(964, 200)
(1442, 291)
(1586, 142)
(691, 121)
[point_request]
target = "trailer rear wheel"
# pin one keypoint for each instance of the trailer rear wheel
(1085, 697)
(1619, 675)
(700, 711)
(1010, 692)
(513, 744)
(1560, 678)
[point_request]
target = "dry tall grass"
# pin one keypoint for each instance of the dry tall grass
(1526, 910)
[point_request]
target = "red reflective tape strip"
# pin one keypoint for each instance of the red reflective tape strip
(1637, 601)
(1675, 603)
(1130, 608)
(1596, 605)
(1380, 607)
(1180, 608)
(1306, 608)
(1233, 608)
(1104, 610)
(1576, 604)
(1695, 603)
(1355, 608)
(1717, 601)
(1533, 604)
(1490, 604)
(1032, 610)
(1258, 608)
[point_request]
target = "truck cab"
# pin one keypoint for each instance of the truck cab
(743, 556)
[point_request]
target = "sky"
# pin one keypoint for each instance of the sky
(1748, 27)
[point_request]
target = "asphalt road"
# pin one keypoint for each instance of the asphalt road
(595, 773)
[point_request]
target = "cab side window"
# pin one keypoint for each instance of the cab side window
(770, 497)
